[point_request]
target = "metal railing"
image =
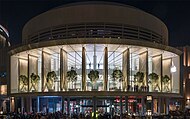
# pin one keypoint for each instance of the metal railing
(95, 30)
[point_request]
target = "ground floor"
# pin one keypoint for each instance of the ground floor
(96, 105)
(4, 104)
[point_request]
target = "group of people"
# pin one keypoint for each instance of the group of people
(137, 88)
(55, 115)
(105, 115)
(178, 113)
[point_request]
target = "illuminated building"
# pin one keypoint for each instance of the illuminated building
(100, 36)
(4, 44)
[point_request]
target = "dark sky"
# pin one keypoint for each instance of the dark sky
(174, 13)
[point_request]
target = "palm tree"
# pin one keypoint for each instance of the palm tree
(51, 77)
(165, 80)
(117, 76)
(93, 75)
(23, 82)
(72, 76)
(139, 76)
(153, 77)
(154, 80)
(34, 80)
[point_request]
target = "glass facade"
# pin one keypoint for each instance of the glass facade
(136, 65)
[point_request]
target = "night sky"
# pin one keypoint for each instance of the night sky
(174, 13)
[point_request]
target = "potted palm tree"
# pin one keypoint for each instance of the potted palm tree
(34, 81)
(117, 77)
(139, 77)
(23, 83)
(51, 77)
(72, 76)
(165, 81)
(154, 80)
(93, 75)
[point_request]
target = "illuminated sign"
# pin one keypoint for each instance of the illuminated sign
(149, 97)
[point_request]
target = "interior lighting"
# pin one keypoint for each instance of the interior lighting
(173, 69)
(112, 106)
(1, 112)
(188, 99)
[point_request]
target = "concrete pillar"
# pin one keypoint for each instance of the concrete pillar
(63, 69)
(68, 105)
(38, 103)
(83, 69)
(94, 58)
(162, 106)
(94, 107)
(156, 68)
(12, 104)
(28, 105)
(152, 105)
(147, 71)
(62, 106)
(105, 78)
(143, 105)
(125, 69)
(16, 104)
(22, 105)
(111, 108)
(42, 68)
(28, 75)
(159, 104)
(167, 105)
(143, 66)
(121, 108)
(161, 73)
(126, 104)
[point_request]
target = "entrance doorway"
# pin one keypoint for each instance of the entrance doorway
(50, 104)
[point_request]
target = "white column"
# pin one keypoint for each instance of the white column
(83, 69)
(105, 69)
(94, 58)
(63, 69)
(125, 69)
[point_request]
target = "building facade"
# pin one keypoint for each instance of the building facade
(95, 56)
(4, 44)
(186, 75)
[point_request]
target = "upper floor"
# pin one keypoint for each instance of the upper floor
(95, 20)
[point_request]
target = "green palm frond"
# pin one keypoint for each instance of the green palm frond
(153, 77)
(51, 76)
(139, 76)
(93, 75)
(117, 74)
(34, 78)
(23, 79)
(72, 75)
(165, 79)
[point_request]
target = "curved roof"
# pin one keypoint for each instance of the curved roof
(96, 3)
(94, 12)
